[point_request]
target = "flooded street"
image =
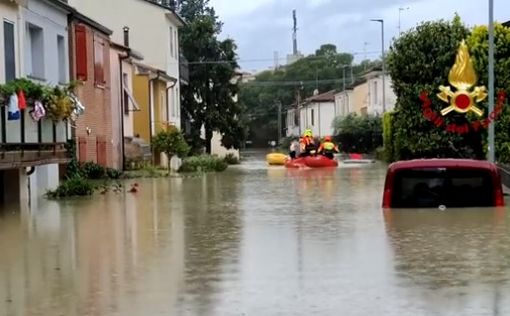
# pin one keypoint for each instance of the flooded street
(253, 241)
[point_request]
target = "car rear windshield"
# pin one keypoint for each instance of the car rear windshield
(425, 188)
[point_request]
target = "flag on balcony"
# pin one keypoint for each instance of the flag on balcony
(22, 102)
(13, 108)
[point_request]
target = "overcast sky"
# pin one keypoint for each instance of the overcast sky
(261, 27)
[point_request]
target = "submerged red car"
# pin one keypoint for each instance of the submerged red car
(433, 183)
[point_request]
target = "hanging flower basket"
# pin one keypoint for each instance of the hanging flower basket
(59, 105)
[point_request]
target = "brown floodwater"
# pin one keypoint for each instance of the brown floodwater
(253, 241)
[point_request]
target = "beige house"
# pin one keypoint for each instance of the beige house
(365, 96)
(360, 98)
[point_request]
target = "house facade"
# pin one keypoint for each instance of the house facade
(317, 113)
(292, 122)
(153, 30)
(124, 105)
(343, 100)
(375, 91)
(360, 98)
(34, 45)
(90, 65)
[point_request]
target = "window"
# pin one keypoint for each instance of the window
(176, 42)
(99, 61)
(128, 96)
(313, 117)
(81, 52)
(10, 55)
(171, 41)
(125, 95)
(35, 52)
(62, 74)
(434, 187)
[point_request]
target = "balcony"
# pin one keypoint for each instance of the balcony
(25, 143)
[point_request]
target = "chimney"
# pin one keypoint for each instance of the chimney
(126, 36)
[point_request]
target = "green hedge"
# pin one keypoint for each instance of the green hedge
(360, 134)
(203, 163)
(75, 186)
(389, 150)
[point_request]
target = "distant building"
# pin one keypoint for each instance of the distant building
(292, 58)
(316, 113)
(365, 96)
(343, 100)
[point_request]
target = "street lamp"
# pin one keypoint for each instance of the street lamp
(383, 64)
(491, 80)
(399, 11)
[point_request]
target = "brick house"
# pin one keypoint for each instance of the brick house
(89, 53)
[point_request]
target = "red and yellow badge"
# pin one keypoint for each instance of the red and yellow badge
(463, 77)
(463, 98)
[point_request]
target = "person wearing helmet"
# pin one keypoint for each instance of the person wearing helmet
(307, 144)
(328, 148)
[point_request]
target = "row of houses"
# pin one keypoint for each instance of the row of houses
(363, 97)
(126, 56)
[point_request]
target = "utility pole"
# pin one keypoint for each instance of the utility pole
(383, 64)
(294, 34)
(492, 155)
(279, 122)
(352, 75)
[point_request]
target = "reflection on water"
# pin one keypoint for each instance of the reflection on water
(253, 241)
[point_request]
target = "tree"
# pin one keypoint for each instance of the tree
(420, 60)
(478, 45)
(208, 101)
(261, 97)
(171, 142)
(361, 134)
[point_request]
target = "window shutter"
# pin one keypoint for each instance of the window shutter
(81, 52)
(98, 61)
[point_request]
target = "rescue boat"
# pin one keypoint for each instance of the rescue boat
(276, 159)
(295, 163)
(312, 162)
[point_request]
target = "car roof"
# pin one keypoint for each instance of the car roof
(441, 163)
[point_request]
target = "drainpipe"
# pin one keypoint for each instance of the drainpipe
(151, 97)
(167, 101)
(122, 104)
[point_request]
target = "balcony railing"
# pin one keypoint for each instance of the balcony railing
(45, 144)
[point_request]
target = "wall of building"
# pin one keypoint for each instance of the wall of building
(220, 151)
(343, 102)
(375, 87)
(360, 98)
(318, 117)
(53, 22)
(291, 128)
(326, 114)
(141, 118)
(94, 129)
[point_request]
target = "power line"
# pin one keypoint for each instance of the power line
(199, 62)
(293, 82)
